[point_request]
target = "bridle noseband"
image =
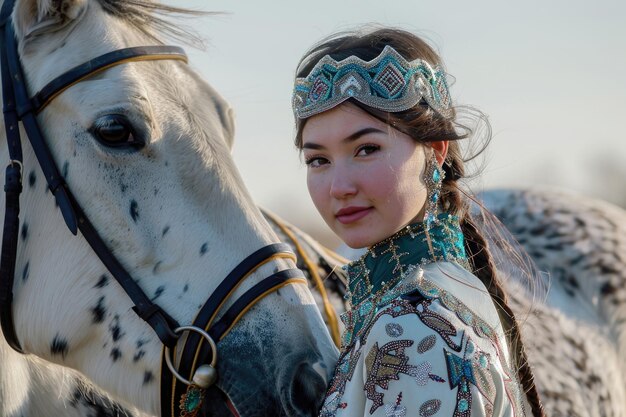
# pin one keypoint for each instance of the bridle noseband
(183, 385)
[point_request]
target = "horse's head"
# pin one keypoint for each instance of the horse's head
(145, 149)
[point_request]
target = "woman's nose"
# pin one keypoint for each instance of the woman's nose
(342, 183)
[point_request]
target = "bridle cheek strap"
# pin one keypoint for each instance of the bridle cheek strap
(13, 187)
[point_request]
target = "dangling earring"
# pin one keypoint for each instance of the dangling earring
(433, 178)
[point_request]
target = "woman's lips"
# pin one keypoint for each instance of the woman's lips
(352, 214)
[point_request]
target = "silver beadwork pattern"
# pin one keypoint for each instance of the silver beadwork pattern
(388, 82)
(426, 344)
(430, 408)
(394, 329)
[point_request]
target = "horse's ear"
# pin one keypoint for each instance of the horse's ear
(227, 119)
(35, 17)
(228, 124)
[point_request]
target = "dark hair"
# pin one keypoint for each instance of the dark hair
(425, 125)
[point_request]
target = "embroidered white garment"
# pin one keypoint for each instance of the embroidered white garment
(435, 349)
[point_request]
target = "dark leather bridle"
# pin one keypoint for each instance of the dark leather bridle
(199, 346)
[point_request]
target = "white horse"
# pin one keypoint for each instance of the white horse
(172, 209)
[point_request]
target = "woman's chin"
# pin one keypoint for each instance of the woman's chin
(359, 234)
(357, 241)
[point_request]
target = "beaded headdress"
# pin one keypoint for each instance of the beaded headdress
(388, 82)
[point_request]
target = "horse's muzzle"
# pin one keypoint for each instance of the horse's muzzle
(307, 391)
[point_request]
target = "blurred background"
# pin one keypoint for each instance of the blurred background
(551, 76)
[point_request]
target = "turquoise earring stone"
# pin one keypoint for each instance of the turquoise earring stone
(436, 176)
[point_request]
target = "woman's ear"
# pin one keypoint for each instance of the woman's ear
(441, 150)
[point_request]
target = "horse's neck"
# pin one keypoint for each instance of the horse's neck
(581, 243)
(31, 387)
(589, 271)
(14, 381)
(28, 388)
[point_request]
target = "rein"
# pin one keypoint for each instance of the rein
(182, 386)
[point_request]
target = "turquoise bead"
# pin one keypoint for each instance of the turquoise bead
(463, 405)
(436, 175)
(192, 400)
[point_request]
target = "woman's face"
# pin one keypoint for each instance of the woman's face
(364, 177)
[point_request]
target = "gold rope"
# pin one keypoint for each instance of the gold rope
(336, 256)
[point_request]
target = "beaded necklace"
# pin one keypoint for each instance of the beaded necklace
(374, 278)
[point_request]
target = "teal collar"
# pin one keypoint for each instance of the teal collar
(386, 263)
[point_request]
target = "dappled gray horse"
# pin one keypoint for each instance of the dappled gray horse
(576, 335)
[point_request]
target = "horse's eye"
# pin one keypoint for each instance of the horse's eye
(115, 130)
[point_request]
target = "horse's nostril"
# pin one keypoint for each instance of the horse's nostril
(308, 389)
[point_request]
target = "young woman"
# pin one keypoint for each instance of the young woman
(428, 331)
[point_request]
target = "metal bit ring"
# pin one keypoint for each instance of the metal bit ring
(205, 335)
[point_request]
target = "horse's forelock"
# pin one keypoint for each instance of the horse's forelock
(154, 19)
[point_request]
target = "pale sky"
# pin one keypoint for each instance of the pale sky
(551, 75)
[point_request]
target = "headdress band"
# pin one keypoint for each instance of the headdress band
(388, 82)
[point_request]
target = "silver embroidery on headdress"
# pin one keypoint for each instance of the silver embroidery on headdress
(388, 82)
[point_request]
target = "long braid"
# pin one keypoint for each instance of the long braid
(484, 268)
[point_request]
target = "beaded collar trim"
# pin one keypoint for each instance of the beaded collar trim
(388, 82)
(377, 277)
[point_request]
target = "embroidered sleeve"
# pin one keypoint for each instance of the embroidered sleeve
(427, 364)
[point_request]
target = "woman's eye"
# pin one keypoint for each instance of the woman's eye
(367, 149)
(115, 130)
(315, 161)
